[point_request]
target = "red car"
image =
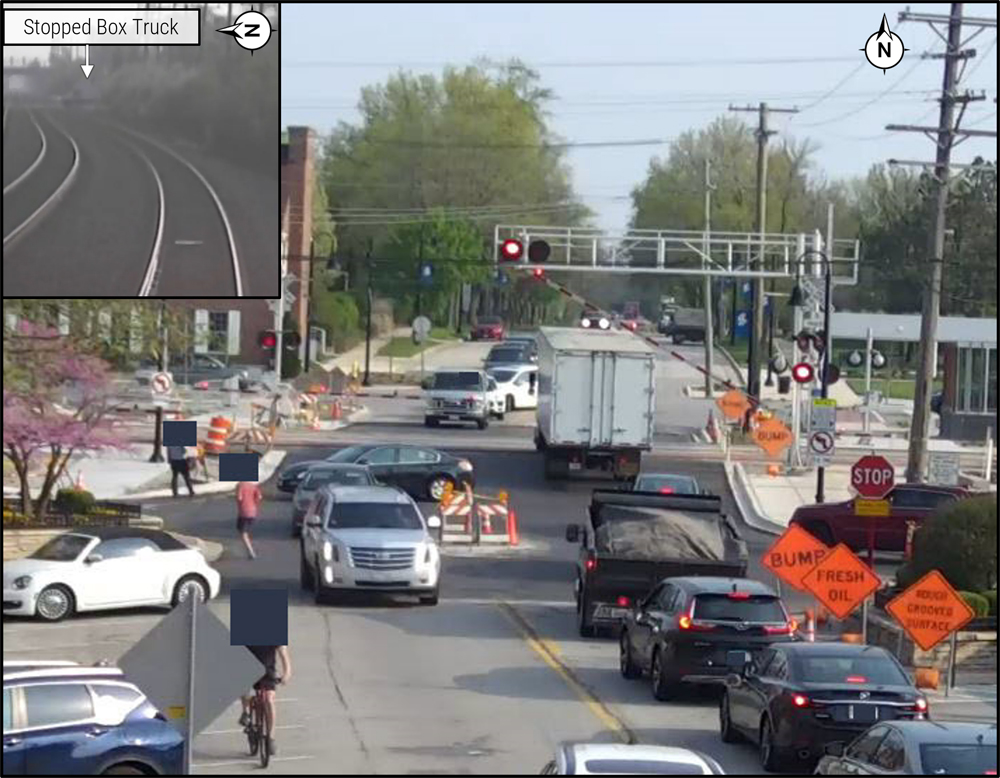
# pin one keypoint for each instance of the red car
(489, 328)
(631, 324)
(835, 522)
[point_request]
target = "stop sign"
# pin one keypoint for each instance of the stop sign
(873, 476)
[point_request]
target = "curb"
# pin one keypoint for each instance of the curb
(271, 460)
(746, 500)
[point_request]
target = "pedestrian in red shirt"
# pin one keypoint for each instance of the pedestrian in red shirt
(248, 497)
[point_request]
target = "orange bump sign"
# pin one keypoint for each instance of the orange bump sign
(841, 581)
(930, 610)
(772, 436)
(793, 555)
(733, 404)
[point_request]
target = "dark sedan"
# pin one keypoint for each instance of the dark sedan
(423, 473)
(916, 748)
(320, 475)
(796, 697)
(290, 478)
(666, 483)
(513, 354)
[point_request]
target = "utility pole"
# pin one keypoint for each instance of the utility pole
(709, 330)
(947, 132)
(757, 313)
(161, 326)
(368, 317)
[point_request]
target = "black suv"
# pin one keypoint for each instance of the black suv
(684, 628)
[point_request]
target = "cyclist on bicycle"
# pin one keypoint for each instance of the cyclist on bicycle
(268, 655)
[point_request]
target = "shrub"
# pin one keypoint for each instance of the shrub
(979, 604)
(76, 501)
(991, 598)
(960, 540)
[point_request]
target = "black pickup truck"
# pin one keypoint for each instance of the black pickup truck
(635, 539)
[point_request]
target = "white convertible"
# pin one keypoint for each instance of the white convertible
(516, 386)
(103, 568)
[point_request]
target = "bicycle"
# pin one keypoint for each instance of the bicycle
(257, 738)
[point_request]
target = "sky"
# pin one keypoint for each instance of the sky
(623, 73)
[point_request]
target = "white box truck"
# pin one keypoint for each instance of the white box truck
(595, 401)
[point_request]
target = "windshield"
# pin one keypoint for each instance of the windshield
(62, 548)
(507, 355)
(460, 381)
(859, 668)
(348, 454)
(722, 607)
(503, 376)
(675, 484)
(316, 478)
(958, 759)
(374, 515)
(641, 767)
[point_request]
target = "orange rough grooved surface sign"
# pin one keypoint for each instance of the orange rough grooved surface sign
(841, 581)
(793, 555)
(930, 610)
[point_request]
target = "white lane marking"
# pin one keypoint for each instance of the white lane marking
(38, 159)
(55, 195)
(215, 197)
(503, 600)
(68, 645)
(239, 730)
(152, 276)
(188, 242)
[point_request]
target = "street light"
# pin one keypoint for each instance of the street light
(797, 299)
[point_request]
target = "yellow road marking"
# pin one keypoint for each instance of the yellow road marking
(549, 652)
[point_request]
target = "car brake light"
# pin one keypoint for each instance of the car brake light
(800, 700)
(785, 629)
(856, 679)
(738, 595)
(922, 706)
(591, 563)
(624, 601)
(666, 490)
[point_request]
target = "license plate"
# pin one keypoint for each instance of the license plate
(453, 417)
(575, 465)
(608, 612)
(857, 714)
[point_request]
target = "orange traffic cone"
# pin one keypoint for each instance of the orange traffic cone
(485, 511)
(512, 526)
(337, 411)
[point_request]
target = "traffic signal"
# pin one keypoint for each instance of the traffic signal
(538, 273)
(511, 250)
(857, 358)
(807, 340)
(426, 274)
(291, 340)
(779, 364)
(803, 373)
(538, 252)
(268, 339)
(832, 374)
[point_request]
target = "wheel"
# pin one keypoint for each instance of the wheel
(437, 485)
(56, 602)
(190, 586)
(483, 423)
(509, 403)
(625, 663)
(771, 758)
(251, 731)
(726, 730)
(821, 531)
(678, 339)
(429, 599)
(500, 416)
(305, 574)
(663, 687)
(585, 627)
(263, 751)
(430, 421)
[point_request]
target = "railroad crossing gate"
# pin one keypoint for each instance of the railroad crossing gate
(930, 610)
(841, 581)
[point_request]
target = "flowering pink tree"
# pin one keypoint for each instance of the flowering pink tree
(55, 404)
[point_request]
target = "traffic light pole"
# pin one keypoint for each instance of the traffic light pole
(868, 382)
(825, 364)
(368, 329)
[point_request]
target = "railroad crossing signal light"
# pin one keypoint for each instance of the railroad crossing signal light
(878, 359)
(268, 339)
(512, 250)
(779, 364)
(291, 340)
(803, 373)
(538, 252)
(538, 273)
(857, 358)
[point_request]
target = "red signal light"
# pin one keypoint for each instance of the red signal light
(512, 250)
(624, 601)
(538, 272)
(803, 372)
(268, 339)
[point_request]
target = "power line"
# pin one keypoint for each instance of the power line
(681, 63)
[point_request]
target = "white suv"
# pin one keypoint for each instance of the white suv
(370, 538)
(458, 395)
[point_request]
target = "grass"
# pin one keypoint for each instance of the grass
(896, 388)
(402, 347)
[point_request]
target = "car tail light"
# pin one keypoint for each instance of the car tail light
(590, 563)
(465, 465)
(856, 679)
(624, 601)
(784, 629)
(666, 490)
(800, 700)
(738, 595)
(687, 621)
(921, 706)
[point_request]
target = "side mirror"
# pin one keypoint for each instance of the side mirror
(573, 533)
(434, 522)
(91, 558)
(739, 661)
(836, 748)
(313, 520)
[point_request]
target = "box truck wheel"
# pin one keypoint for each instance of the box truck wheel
(483, 423)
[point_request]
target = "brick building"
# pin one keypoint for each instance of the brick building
(298, 171)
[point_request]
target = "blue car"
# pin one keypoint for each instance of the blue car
(76, 720)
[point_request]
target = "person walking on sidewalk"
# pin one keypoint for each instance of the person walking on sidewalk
(248, 497)
(177, 456)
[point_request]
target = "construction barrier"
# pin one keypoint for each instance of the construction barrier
(219, 432)
(478, 518)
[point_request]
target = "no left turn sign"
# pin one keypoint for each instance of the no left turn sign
(161, 383)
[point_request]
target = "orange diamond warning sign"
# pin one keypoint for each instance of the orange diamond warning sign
(793, 555)
(841, 581)
(772, 436)
(930, 610)
(733, 404)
